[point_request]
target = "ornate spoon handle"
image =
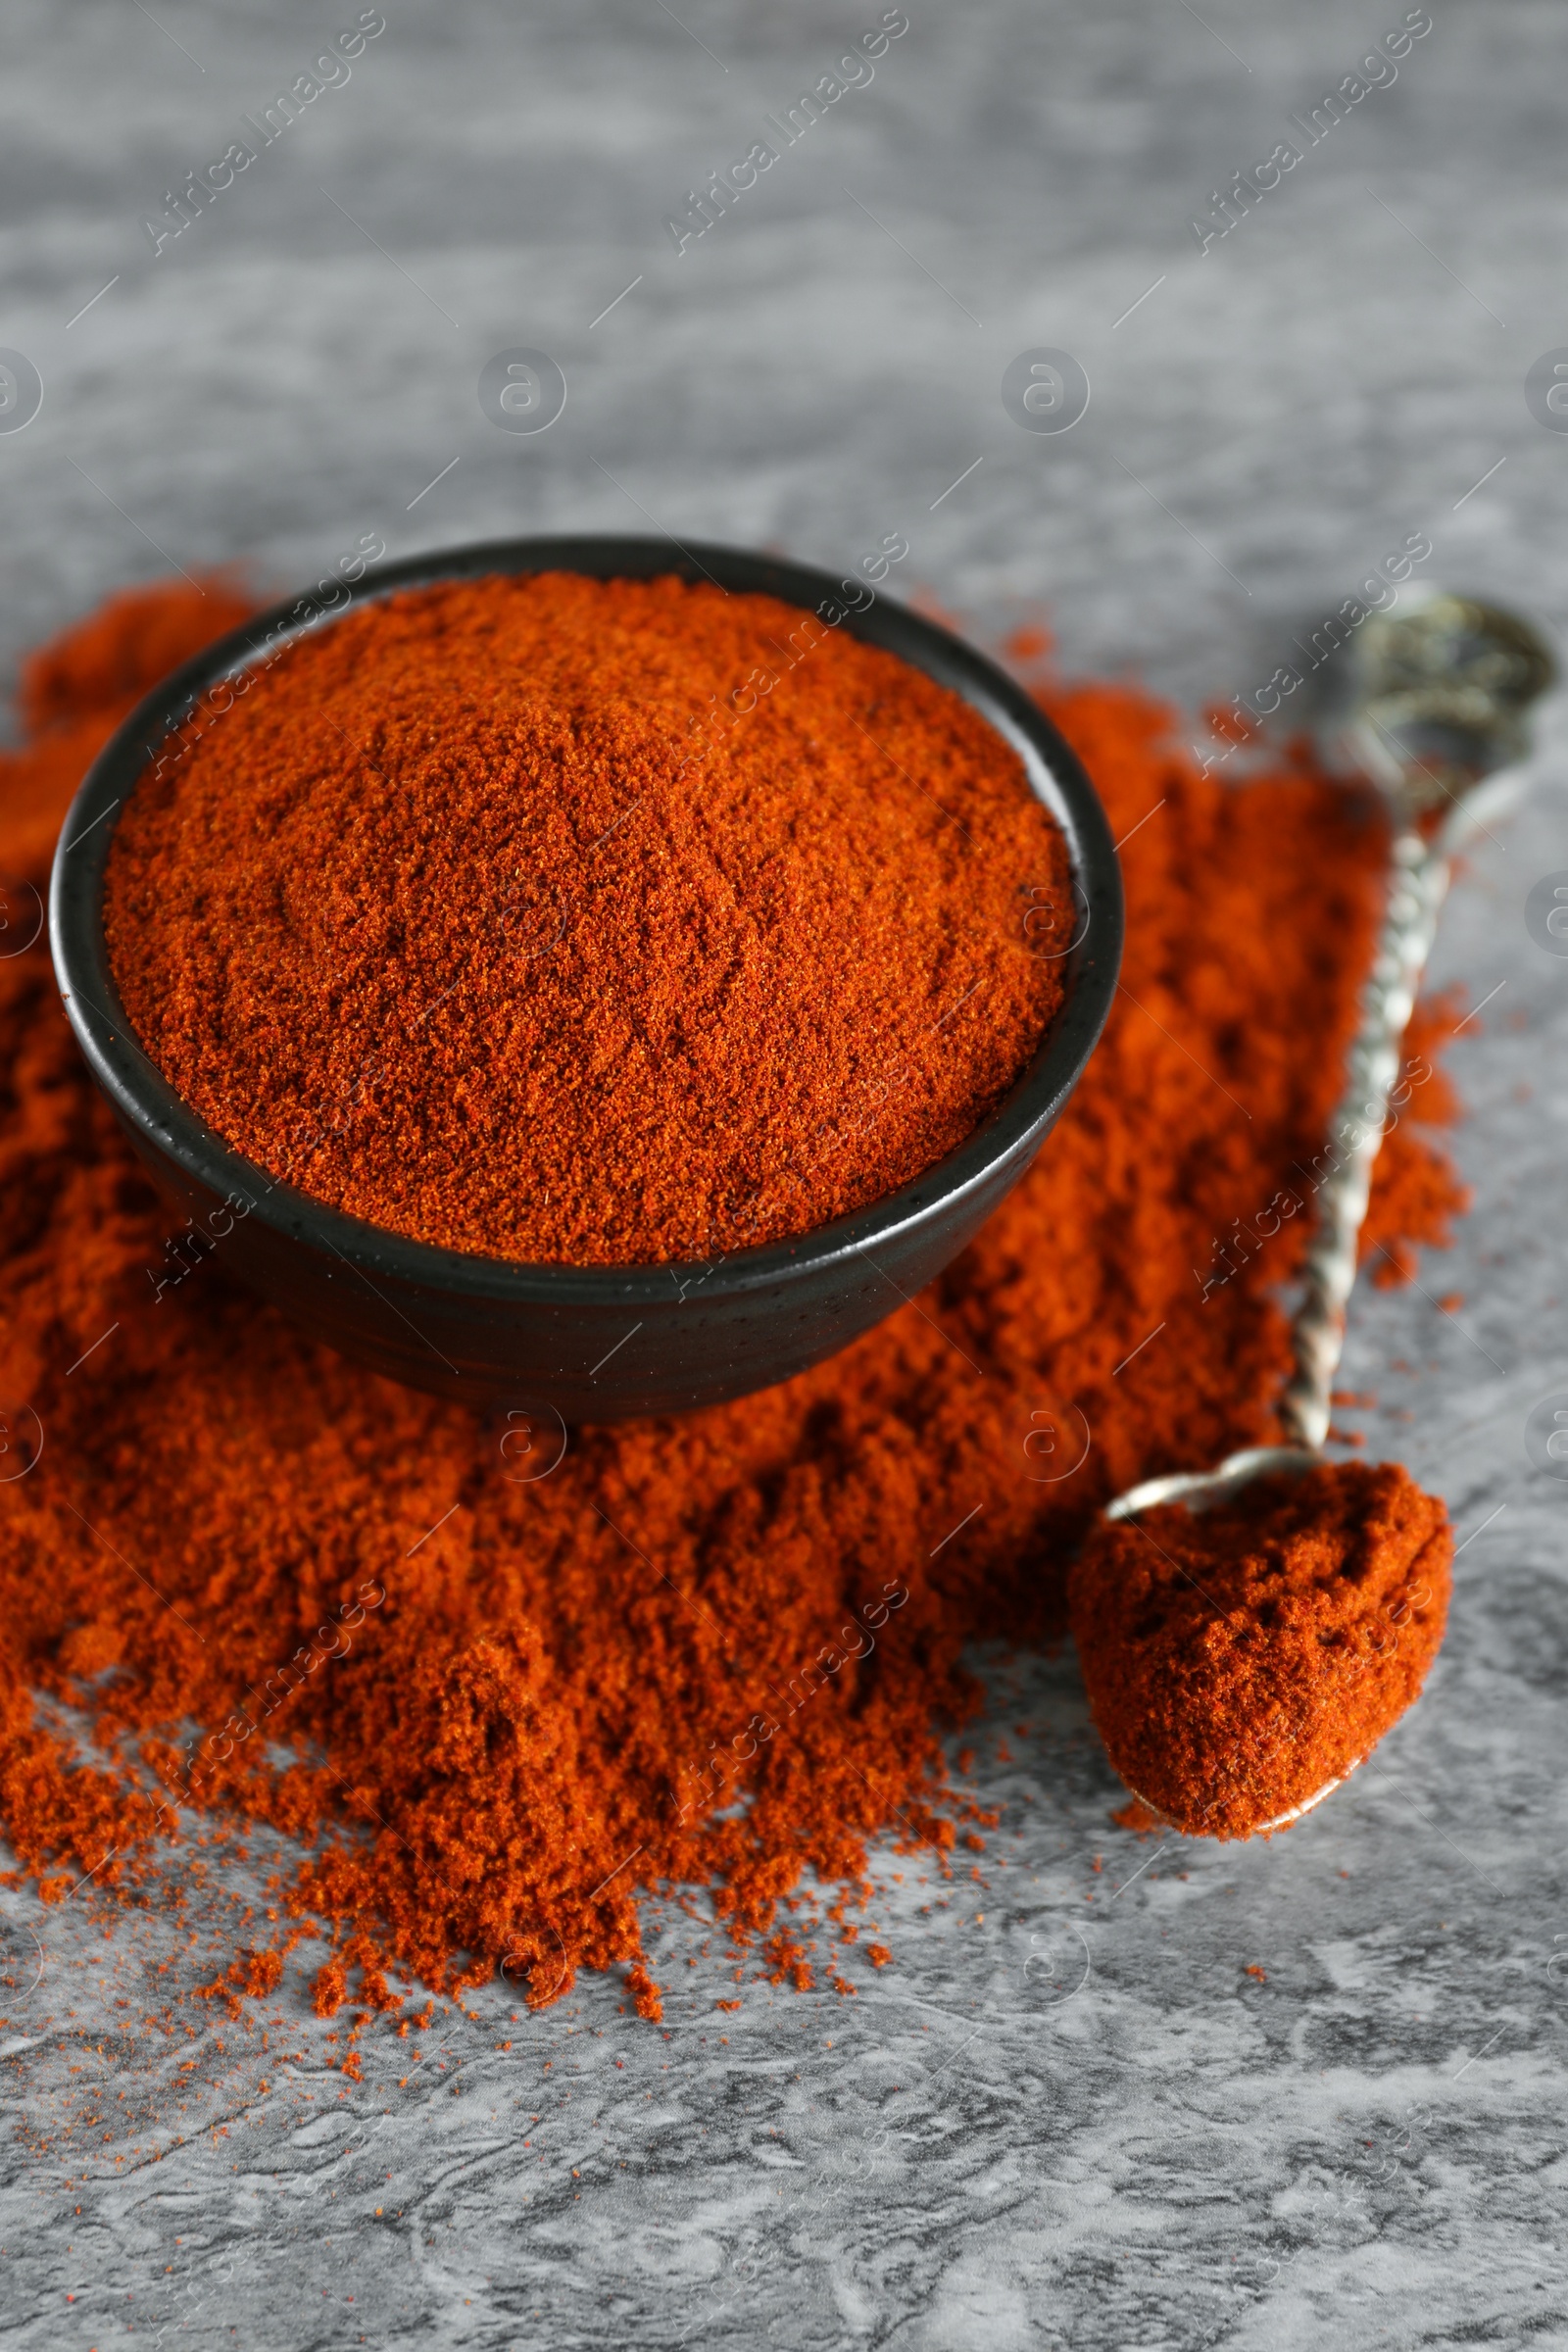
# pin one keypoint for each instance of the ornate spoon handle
(1433, 705)
(1434, 700)
(1418, 883)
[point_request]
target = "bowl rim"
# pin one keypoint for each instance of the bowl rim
(160, 1118)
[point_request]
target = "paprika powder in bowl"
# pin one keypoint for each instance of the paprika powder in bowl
(791, 1021)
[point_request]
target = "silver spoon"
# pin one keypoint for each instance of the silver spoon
(1430, 701)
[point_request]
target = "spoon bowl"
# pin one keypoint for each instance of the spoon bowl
(1198, 1489)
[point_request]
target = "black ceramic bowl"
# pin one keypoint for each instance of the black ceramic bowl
(589, 1344)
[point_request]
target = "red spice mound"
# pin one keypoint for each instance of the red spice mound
(130, 642)
(504, 1731)
(599, 922)
(1240, 1660)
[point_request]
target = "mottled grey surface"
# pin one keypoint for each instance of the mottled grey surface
(1075, 2120)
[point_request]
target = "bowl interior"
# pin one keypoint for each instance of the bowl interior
(166, 1127)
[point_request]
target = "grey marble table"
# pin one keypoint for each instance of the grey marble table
(1074, 2121)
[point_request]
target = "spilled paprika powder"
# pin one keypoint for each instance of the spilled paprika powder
(468, 919)
(555, 1707)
